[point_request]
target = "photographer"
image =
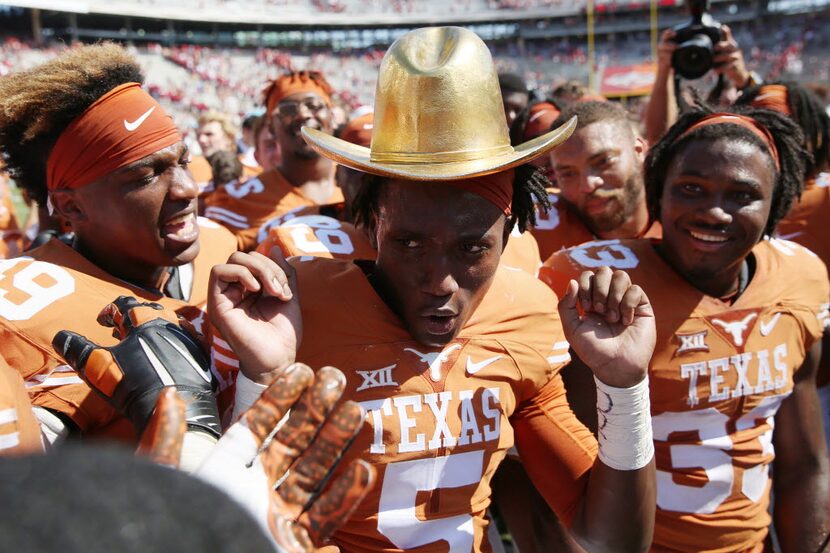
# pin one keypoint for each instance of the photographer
(728, 64)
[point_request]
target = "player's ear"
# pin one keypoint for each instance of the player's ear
(65, 204)
(640, 148)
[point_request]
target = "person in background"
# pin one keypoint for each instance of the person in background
(302, 178)
(740, 318)
(600, 181)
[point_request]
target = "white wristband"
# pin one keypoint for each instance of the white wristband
(624, 425)
(247, 392)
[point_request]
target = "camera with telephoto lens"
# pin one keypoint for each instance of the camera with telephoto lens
(695, 53)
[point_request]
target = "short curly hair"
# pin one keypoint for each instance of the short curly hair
(789, 180)
(37, 105)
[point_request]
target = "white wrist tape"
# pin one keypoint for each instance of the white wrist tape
(624, 426)
(247, 392)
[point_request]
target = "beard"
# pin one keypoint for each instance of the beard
(623, 201)
(307, 153)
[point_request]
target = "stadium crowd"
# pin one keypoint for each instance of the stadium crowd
(439, 297)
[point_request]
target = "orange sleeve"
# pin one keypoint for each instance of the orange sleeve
(556, 449)
(557, 272)
(19, 430)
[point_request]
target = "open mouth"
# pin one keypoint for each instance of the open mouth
(439, 325)
(182, 229)
(706, 237)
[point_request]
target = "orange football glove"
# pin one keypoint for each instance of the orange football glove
(278, 458)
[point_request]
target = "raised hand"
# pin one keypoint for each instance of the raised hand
(252, 300)
(609, 323)
(277, 459)
(154, 353)
(665, 50)
(729, 59)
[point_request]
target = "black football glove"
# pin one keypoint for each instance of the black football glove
(154, 353)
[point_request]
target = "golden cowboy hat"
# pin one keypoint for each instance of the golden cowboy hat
(438, 114)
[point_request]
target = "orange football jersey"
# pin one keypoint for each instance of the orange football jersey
(246, 205)
(806, 224)
(319, 236)
(522, 252)
(439, 421)
(306, 231)
(562, 228)
(201, 172)
(54, 288)
(19, 430)
(718, 376)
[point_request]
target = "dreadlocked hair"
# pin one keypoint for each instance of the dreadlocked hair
(37, 105)
(529, 194)
(789, 180)
(808, 111)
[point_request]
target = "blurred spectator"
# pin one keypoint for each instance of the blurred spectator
(216, 132)
(225, 167)
(246, 141)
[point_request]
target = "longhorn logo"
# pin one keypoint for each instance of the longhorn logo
(435, 359)
(737, 330)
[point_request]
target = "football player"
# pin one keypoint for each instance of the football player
(81, 135)
(599, 176)
(740, 317)
(805, 223)
(302, 178)
(454, 357)
(330, 231)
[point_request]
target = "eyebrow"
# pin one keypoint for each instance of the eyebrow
(593, 157)
(692, 172)
(604, 152)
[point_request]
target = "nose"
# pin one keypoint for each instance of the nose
(182, 186)
(590, 182)
(438, 280)
(715, 215)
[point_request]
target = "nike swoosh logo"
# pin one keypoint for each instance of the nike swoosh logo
(473, 368)
(767, 327)
(131, 126)
(789, 236)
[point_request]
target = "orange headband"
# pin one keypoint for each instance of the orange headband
(300, 81)
(773, 97)
(359, 130)
(540, 119)
(123, 126)
(496, 188)
(742, 121)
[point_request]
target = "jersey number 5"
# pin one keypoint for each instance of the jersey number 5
(398, 520)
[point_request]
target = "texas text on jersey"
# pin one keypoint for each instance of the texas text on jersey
(718, 376)
(440, 421)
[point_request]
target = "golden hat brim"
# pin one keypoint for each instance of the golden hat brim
(358, 157)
